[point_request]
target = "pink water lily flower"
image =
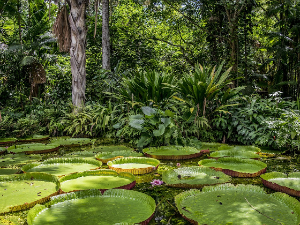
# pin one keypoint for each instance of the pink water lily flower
(178, 164)
(156, 182)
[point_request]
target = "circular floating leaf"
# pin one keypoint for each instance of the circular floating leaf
(22, 191)
(17, 159)
(81, 154)
(72, 141)
(115, 206)
(111, 148)
(240, 148)
(211, 146)
(193, 177)
(172, 152)
(35, 148)
(109, 156)
(62, 166)
(4, 141)
(34, 138)
(241, 204)
(134, 165)
(236, 167)
(234, 153)
(8, 171)
(99, 179)
(289, 184)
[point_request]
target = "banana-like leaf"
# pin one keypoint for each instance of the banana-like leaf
(241, 204)
(115, 206)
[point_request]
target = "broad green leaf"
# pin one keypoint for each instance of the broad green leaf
(160, 131)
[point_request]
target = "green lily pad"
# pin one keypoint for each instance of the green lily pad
(17, 159)
(7, 171)
(100, 179)
(134, 165)
(22, 191)
(72, 141)
(108, 156)
(289, 184)
(2, 150)
(62, 166)
(241, 204)
(240, 148)
(110, 148)
(81, 154)
(236, 167)
(4, 141)
(193, 177)
(35, 148)
(234, 153)
(211, 146)
(89, 207)
(172, 152)
(34, 138)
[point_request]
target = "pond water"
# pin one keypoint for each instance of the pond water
(166, 212)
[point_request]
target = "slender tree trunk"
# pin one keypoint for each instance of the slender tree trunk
(19, 21)
(105, 35)
(77, 51)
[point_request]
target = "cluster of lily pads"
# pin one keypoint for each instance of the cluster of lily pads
(74, 188)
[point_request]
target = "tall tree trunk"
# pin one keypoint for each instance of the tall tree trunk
(19, 21)
(77, 51)
(105, 35)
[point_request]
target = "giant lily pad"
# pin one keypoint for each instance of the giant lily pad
(89, 207)
(109, 156)
(241, 204)
(22, 191)
(2, 150)
(72, 142)
(110, 148)
(98, 179)
(81, 154)
(4, 141)
(234, 153)
(236, 167)
(240, 148)
(34, 138)
(193, 177)
(17, 159)
(8, 171)
(134, 165)
(35, 148)
(173, 152)
(211, 146)
(62, 166)
(289, 184)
